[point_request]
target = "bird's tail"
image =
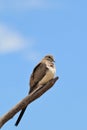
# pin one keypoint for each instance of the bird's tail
(20, 116)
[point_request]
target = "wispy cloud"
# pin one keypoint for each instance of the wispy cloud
(13, 41)
(21, 5)
(10, 41)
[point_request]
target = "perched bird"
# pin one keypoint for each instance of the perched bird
(42, 73)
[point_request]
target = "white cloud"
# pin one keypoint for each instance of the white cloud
(21, 5)
(10, 41)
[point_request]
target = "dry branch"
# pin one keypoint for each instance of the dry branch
(27, 100)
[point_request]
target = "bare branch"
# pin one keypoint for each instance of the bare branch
(27, 100)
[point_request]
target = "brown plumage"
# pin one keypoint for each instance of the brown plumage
(41, 74)
(38, 73)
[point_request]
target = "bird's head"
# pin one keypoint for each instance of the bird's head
(49, 58)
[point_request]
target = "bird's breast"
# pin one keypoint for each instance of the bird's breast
(49, 75)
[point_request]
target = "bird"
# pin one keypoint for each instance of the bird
(43, 72)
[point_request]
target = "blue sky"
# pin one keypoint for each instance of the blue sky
(30, 30)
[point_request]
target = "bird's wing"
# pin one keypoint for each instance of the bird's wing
(38, 73)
